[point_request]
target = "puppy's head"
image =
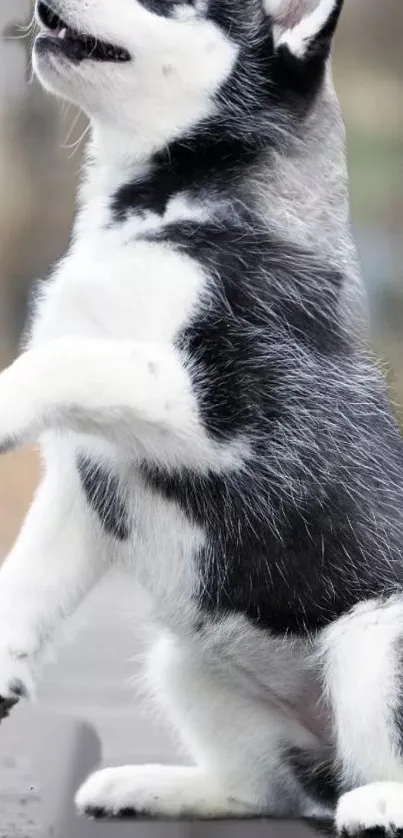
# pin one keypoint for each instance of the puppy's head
(160, 67)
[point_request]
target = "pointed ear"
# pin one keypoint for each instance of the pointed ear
(304, 27)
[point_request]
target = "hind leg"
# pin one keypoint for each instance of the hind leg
(362, 654)
(237, 742)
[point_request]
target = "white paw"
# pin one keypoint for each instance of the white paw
(376, 806)
(17, 405)
(154, 791)
(16, 681)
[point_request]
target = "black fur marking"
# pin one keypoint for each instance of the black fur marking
(285, 295)
(308, 521)
(164, 8)
(103, 494)
(305, 74)
(260, 106)
(306, 527)
(316, 775)
(323, 40)
(281, 566)
(279, 79)
(188, 167)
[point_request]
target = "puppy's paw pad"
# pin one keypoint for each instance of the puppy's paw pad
(95, 812)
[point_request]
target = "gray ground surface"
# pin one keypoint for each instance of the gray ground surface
(92, 679)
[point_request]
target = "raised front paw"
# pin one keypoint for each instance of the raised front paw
(16, 681)
(18, 410)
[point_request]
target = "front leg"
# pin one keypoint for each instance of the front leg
(130, 393)
(56, 560)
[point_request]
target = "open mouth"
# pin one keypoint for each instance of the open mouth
(60, 37)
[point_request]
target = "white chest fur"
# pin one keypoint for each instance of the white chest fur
(114, 283)
(106, 288)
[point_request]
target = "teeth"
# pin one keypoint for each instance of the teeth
(95, 49)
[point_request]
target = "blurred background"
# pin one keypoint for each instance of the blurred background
(41, 144)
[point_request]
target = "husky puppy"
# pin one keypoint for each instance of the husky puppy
(210, 417)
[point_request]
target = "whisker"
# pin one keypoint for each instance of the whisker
(76, 145)
(65, 143)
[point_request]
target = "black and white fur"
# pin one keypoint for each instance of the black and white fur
(210, 418)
